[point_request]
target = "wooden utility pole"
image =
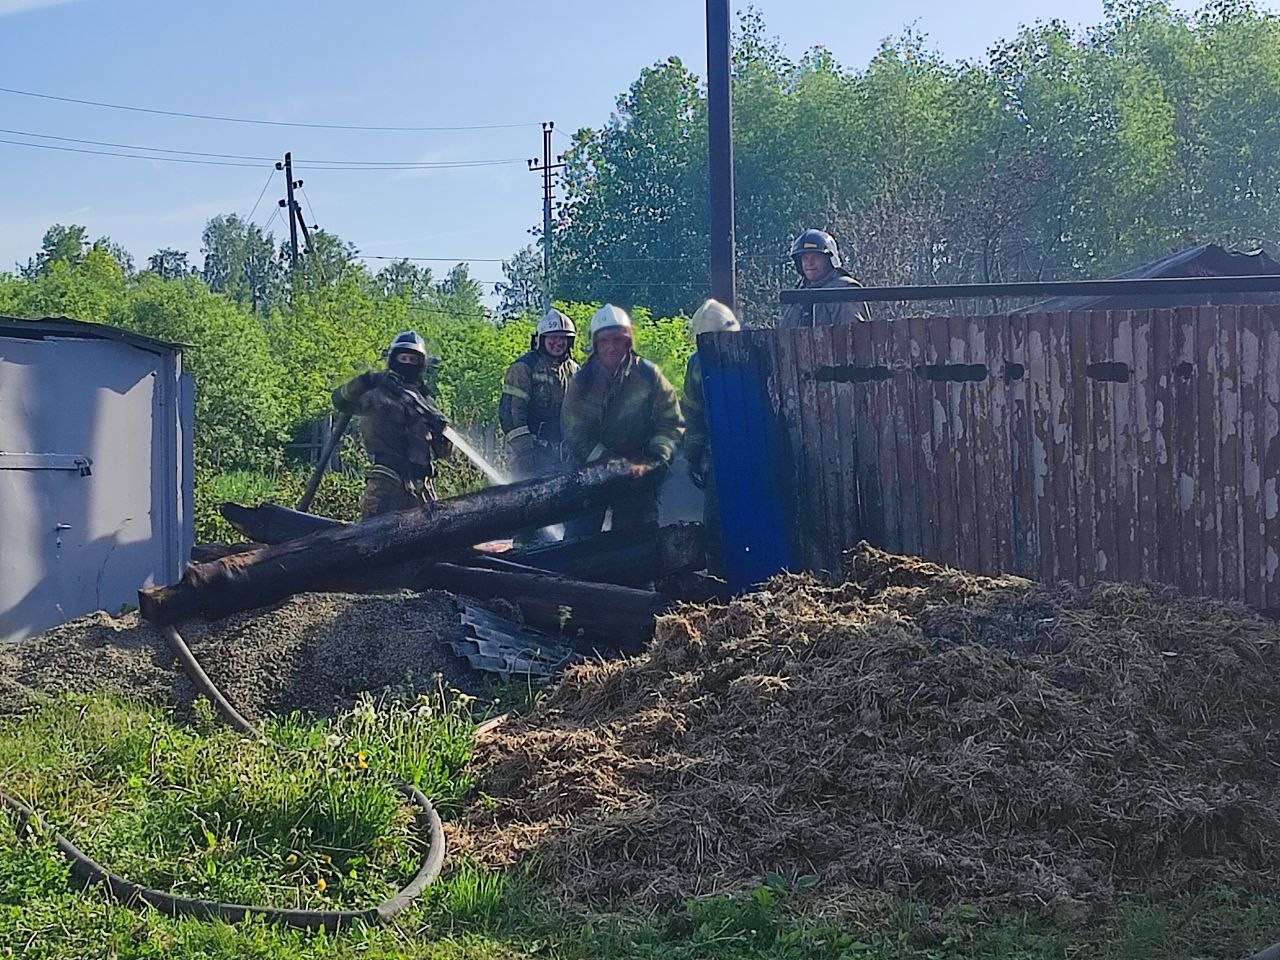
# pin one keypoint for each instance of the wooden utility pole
(720, 153)
(546, 168)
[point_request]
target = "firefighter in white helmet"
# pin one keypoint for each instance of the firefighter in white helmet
(620, 405)
(712, 317)
(532, 394)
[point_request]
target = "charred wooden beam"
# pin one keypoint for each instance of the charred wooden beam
(272, 523)
(602, 616)
(251, 580)
(628, 557)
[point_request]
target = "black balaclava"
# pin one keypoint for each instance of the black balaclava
(408, 372)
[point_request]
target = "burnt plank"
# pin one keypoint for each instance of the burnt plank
(1026, 540)
(1101, 413)
(1269, 451)
(1083, 453)
(924, 447)
(1145, 467)
(806, 489)
(880, 406)
(1061, 452)
(1124, 447)
(1186, 462)
(1208, 490)
(988, 498)
(847, 425)
(871, 497)
(830, 441)
(1041, 453)
(1001, 442)
(902, 400)
(1231, 531)
(960, 408)
(948, 489)
(1161, 372)
(1251, 519)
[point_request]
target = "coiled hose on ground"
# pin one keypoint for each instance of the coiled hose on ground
(85, 869)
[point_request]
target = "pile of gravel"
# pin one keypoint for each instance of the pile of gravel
(315, 653)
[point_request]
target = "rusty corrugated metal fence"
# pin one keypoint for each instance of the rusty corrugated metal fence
(1125, 445)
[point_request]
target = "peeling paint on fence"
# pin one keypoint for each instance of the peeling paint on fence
(1135, 445)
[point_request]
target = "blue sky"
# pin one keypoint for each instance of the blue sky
(424, 63)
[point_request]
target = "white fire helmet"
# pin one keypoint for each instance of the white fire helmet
(609, 317)
(713, 317)
(553, 321)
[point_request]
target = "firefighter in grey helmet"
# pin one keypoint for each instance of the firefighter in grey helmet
(532, 394)
(401, 426)
(817, 260)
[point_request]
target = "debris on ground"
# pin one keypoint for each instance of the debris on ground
(316, 653)
(913, 730)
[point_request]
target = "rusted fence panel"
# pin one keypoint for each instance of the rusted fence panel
(1107, 445)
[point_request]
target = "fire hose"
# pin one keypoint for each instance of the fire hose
(87, 870)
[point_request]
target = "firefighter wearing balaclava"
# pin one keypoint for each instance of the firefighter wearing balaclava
(817, 260)
(401, 427)
(712, 317)
(532, 395)
(620, 405)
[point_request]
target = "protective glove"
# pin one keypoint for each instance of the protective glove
(698, 474)
(522, 451)
(370, 380)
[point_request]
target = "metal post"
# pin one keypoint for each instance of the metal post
(546, 168)
(720, 153)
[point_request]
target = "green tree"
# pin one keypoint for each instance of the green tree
(405, 280)
(521, 289)
(241, 262)
(61, 244)
(168, 264)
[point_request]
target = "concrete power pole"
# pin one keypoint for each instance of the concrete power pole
(724, 285)
(546, 168)
(294, 210)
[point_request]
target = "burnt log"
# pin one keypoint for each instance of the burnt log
(272, 523)
(627, 557)
(602, 616)
(204, 552)
(250, 580)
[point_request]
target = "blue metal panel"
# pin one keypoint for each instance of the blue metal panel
(749, 448)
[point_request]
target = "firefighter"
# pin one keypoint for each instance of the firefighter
(817, 260)
(401, 427)
(620, 405)
(711, 317)
(532, 394)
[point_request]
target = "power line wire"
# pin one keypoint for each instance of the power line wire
(130, 156)
(310, 209)
(315, 164)
(233, 163)
(270, 176)
(266, 123)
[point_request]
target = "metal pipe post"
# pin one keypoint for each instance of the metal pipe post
(720, 153)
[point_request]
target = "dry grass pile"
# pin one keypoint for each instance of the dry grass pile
(314, 652)
(914, 730)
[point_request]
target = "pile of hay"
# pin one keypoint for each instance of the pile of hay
(315, 652)
(914, 730)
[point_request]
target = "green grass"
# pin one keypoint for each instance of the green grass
(337, 497)
(205, 812)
